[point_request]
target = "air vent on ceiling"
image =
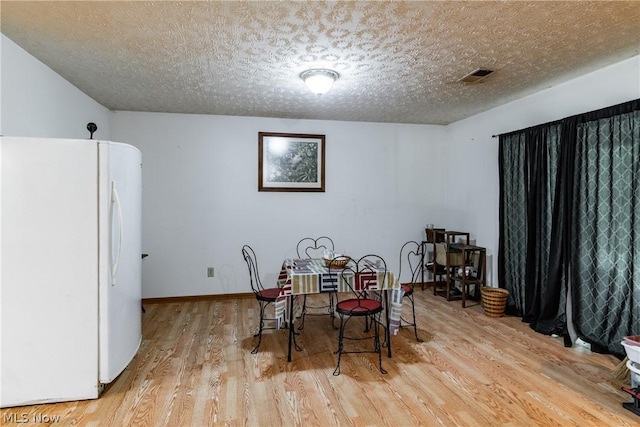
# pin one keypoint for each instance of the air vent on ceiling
(476, 76)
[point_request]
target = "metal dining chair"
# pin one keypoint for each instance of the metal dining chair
(308, 248)
(410, 274)
(264, 296)
(364, 279)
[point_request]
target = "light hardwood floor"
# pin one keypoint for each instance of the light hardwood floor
(195, 369)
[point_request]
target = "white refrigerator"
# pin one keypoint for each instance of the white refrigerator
(70, 267)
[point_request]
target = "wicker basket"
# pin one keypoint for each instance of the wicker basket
(339, 262)
(494, 301)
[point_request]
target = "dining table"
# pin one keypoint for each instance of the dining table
(299, 277)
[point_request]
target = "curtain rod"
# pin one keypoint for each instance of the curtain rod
(621, 108)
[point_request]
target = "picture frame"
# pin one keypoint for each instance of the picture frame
(291, 162)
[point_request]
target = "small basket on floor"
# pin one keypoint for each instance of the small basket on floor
(494, 301)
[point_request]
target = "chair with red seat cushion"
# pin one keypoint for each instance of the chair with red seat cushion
(409, 274)
(364, 278)
(265, 296)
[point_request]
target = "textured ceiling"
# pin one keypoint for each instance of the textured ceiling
(398, 61)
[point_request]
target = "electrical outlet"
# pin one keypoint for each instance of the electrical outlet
(210, 272)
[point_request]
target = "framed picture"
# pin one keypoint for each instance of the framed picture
(290, 162)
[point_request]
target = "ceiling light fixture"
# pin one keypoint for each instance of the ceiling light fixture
(319, 80)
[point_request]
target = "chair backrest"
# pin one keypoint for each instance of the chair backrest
(409, 272)
(314, 248)
(363, 277)
(252, 263)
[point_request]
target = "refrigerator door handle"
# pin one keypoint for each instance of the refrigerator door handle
(116, 259)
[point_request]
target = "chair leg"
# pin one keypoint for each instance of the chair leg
(377, 323)
(336, 371)
(330, 309)
(295, 342)
(303, 314)
(377, 346)
(413, 316)
(333, 301)
(415, 324)
(260, 328)
(263, 306)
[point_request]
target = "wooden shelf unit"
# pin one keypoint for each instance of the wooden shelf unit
(444, 278)
(475, 256)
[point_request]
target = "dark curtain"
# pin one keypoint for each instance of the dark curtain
(605, 250)
(569, 228)
(528, 175)
(542, 299)
(513, 225)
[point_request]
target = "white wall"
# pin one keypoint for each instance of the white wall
(384, 181)
(201, 201)
(38, 102)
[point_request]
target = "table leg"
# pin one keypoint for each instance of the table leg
(291, 331)
(422, 251)
(388, 329)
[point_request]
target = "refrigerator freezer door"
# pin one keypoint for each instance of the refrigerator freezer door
(120, 257)
(49, 270)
